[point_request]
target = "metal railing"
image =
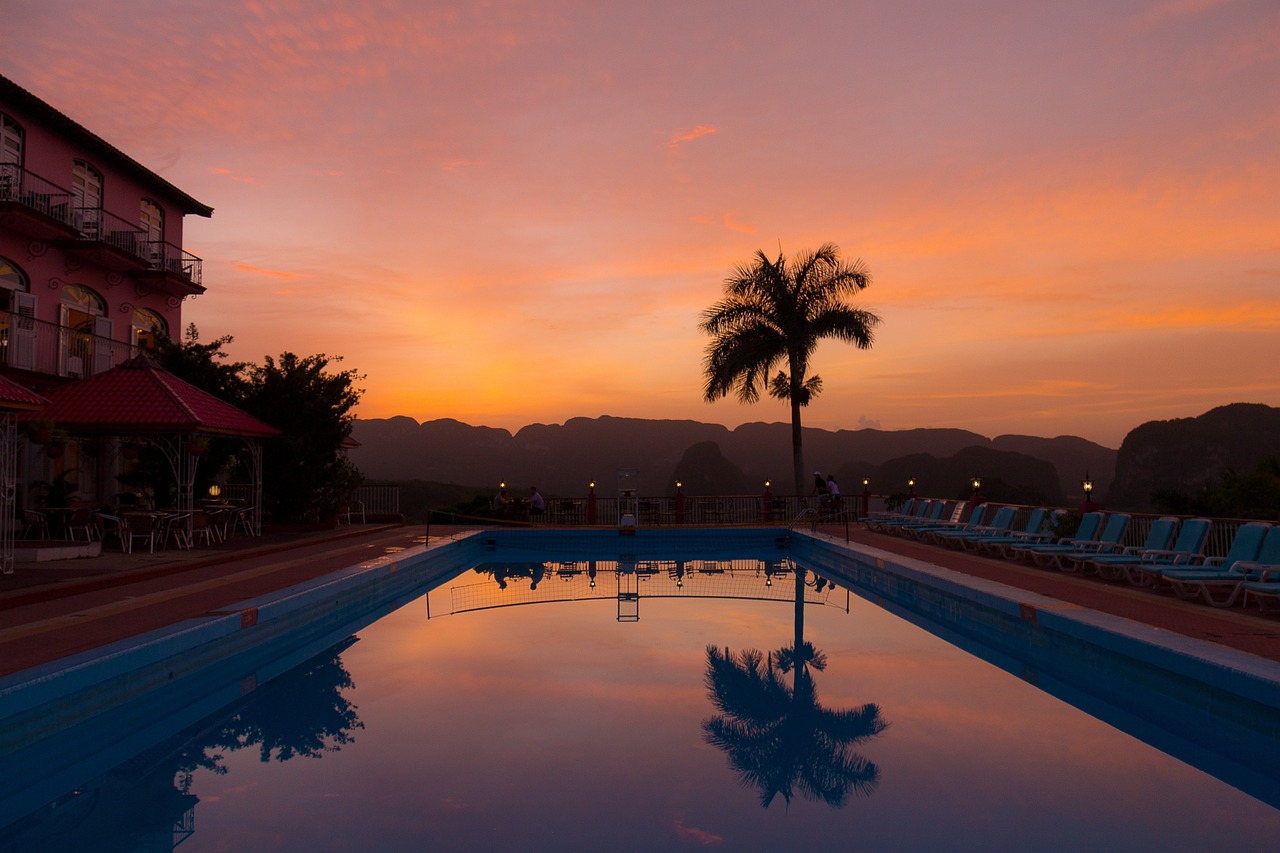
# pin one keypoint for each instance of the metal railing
(43, 347)
(93, 224)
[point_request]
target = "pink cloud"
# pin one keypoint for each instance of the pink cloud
(690, 134)
(240, 266)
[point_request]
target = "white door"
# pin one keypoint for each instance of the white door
(103, 345)
(22, 337)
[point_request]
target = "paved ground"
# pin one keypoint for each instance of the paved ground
(54, 609)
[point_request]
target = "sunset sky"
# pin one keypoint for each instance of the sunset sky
(510, 213)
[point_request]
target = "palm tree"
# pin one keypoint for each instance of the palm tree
(778, 737)
(774, 313)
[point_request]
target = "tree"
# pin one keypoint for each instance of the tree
(779, 738)
(773, 314)
(303, 468)
(203, 365)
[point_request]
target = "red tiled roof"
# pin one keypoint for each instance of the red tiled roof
(138, 396)
(14, 397)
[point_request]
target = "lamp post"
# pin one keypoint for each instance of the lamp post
(766, 504)
(911, 487)
(866, 496)
(976, 482)
(591, 507)
(1086, 486)
(679, 503)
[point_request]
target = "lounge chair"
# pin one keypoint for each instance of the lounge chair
(1110, 541)
(1159, 536)
(924, 531)
(1220, 580)
(912, 510)
(1033, 532)
(932, 516)
(1042, 554)
(1001, 521)
(1187, 549)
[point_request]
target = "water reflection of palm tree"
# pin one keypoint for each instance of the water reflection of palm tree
(779, 738)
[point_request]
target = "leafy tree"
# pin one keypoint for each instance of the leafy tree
(1233, 495)
(304, 471)
(203, 365)
(774, 313)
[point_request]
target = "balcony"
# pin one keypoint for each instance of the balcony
(35, 207)
(41, 347)
(40, 209)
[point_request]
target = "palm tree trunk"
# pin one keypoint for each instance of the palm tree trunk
(797, 449)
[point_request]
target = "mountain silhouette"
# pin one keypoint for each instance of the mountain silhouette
(563, 459)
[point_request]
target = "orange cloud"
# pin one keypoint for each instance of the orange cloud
(240, 266)
(690, 134)
(738, 226)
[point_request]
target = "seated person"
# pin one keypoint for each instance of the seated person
(537, 505)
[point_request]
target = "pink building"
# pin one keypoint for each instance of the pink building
(91, 257)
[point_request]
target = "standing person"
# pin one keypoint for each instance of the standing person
(833, 493)
(537, 505)
(820, 489)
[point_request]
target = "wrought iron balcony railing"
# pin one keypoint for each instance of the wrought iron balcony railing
(30, 344)
(26, 190)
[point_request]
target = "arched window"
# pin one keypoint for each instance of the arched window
(86, 190)
(148, 326)
(10, 141)
(17, 316)
(86, 332)
(152, 221)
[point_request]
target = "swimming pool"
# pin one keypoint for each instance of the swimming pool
(463, 722)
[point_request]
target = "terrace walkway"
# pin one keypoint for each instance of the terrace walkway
(51, 610)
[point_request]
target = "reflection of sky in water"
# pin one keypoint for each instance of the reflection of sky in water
(556, 727)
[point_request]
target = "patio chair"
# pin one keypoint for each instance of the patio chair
(113, 525)
(1001, 521)
(202, 527)
(1043, 554)
(1220, 580)
(82, 522)
(1110, 541)
(1160, 537)
(925, 512)
(349, 511)
(1187, 550)
(1032, 532)
(926, 529)
(174, 526)
(244, 521)
(35, 522)
(141, 527)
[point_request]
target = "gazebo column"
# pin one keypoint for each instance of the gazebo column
(183, 465)
(8, 489)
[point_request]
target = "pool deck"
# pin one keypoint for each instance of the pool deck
(53, 609)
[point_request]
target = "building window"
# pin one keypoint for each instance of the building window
(10, 141)
(148, 328)
(152, 221)
(86, 332)
(86, 189)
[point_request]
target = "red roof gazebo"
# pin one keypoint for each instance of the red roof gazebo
(139, 398)
(13, 398)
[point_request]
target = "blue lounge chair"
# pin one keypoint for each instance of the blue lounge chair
(1186, 550)
(924, 531)
(1159, 536)
(912, 510)
(1088, 528)
(1001, 521)
(932, 519)
(1110, 541)
(1220, 580)
(1032, 533)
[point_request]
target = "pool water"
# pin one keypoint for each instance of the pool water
(556, 726)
